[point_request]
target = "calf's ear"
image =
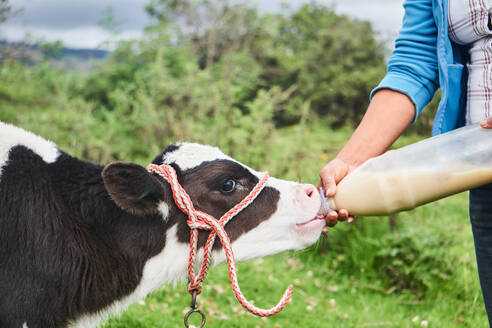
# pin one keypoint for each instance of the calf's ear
(132, 188)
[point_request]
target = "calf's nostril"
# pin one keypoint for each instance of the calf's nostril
(309, 190)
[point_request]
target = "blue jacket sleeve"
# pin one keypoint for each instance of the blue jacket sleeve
(412, 67)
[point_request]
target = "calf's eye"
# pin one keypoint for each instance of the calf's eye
(228, 186)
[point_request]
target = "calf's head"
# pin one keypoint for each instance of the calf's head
(282, 217)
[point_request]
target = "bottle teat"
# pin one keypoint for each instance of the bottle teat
(324, 208)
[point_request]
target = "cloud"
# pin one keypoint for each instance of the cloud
(86, 37)
(67, 14)
(76, 22)
(385, 15)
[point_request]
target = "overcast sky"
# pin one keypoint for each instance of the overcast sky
(76, 22)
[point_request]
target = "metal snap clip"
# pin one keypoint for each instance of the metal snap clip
(187, 315)
(194, 309)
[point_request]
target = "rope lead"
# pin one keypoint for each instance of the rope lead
(201, 220)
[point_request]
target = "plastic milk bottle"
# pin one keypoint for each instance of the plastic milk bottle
(402, 179)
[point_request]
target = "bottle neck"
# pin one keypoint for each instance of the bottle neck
(331, 203)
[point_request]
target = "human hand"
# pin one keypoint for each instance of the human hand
(486, 124)
(330, 176)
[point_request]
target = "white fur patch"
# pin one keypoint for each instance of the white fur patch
(164, 209)
(24, 325)
(11, 136)
(167, 266)
(190, 155)
(279, 233)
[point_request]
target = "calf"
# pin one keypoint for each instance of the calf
(79, 241)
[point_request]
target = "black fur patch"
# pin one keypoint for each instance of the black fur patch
(132, 188)
(66, 249)
(203, 184)
(158, 160)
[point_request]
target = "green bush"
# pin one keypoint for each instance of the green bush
(399, 259)
(410, 263)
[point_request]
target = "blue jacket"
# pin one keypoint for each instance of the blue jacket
(425, 59)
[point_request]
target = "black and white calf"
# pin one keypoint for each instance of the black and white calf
(79, 241)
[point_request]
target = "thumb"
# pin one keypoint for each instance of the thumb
(486, 124)
(329, 186)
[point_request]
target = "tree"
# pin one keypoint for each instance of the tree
(9, 52)
(214, 27)
(332, 61)
(6, 11)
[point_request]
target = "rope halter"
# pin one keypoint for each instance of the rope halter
(201, 220)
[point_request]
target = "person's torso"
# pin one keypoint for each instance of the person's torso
(469, 25)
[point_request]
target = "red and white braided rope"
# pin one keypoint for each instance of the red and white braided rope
(200, 220)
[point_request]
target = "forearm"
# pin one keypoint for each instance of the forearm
(387, 116)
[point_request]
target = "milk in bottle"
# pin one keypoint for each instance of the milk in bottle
(417, 174)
